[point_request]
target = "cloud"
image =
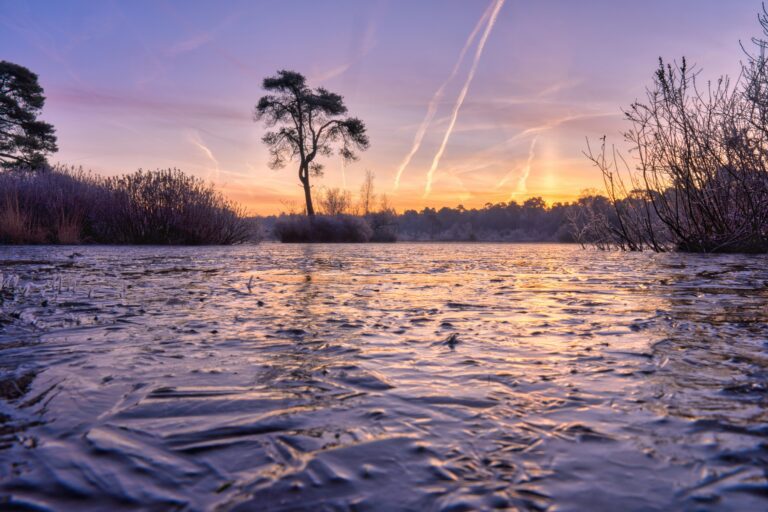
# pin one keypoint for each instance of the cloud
(190, 44)
(207, 37)
(200, 38)
(42, 40)
(82, 97)
(559, 86)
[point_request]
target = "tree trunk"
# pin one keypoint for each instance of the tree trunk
(304, 177)
(308, 198)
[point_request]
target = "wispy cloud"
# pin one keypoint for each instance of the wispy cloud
(462, 95)
(43, 39)
(118, 100)
(437, 96)
(199, 38)
(554, 123)
(189, 44)
(558, 87)
(208, 37)
(502, 147)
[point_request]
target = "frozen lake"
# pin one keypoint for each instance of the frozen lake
(382, 377)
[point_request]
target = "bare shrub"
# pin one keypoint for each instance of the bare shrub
(699, 177)
(589, 220)
(335, 201)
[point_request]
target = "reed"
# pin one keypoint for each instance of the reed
(69, 206)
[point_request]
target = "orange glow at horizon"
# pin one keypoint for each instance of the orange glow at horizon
(260, 200)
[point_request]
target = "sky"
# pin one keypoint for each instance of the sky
(467, 101)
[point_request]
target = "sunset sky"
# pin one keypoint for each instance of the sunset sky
(156, 84)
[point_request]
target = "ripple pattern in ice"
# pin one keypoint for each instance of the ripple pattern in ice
(382, 377)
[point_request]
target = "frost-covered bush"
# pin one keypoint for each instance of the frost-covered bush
(69, 206)
(322, 228)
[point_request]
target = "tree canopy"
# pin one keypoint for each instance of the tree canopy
(24, 139)
(306, 123)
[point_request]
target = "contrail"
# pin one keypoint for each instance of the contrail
(506, 178)
(432, 106)
(366, 44)
(521, 183)
(462, 95)
(195, 139)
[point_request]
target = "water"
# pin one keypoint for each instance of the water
(382, 377)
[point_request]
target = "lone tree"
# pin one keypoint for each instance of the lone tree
(24, 140)
(306, 123)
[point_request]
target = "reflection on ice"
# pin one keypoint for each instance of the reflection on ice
(417, 376)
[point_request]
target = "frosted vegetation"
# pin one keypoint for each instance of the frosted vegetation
(71, 206)
(698, 176)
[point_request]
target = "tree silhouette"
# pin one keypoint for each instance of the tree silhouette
(367, 196)
(307, 123)
(24, 140)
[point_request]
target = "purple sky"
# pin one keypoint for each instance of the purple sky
(151, 84)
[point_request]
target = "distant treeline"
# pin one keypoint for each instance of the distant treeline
(530, 221)
(71, 206)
